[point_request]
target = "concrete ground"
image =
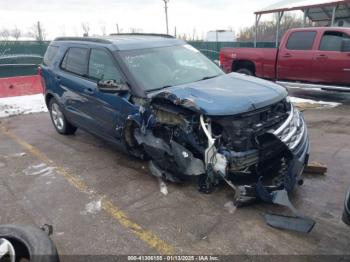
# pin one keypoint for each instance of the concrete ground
(101, 201)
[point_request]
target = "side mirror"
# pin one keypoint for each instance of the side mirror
(345, 45)
(112, 86)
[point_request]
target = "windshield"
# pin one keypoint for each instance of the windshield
(157, 68)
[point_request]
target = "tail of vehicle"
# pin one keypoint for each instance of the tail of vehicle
(260, 62)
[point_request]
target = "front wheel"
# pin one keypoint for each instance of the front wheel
(59, 121)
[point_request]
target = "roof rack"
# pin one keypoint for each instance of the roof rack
(85, 39)
(142, 34)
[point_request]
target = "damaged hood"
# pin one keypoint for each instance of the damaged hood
(224, 95)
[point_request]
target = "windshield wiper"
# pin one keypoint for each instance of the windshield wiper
(208, 77)
(159, 88)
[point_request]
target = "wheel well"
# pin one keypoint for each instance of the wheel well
(238, 64)
(48, 98)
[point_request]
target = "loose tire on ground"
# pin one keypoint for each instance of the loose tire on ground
(30, 243)
(59, 121)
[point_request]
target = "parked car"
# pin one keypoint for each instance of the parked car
(162, 100)
(309, 55)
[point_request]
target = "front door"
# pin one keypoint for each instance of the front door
(295, 58)
(106, 109)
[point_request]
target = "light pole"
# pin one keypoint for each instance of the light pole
(166, 15)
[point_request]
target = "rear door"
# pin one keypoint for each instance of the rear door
(330, 64)
(296, 56)
(72, 81)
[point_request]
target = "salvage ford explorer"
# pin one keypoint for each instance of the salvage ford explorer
(161, 100)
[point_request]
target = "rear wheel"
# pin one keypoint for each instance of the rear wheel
(59, 120)
(245, 71)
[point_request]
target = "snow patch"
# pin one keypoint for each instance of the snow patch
(19, 154)
(21, 105)
(93, 207)
(297, 100)
(40, 169)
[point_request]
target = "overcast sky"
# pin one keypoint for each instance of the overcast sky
(64, 17)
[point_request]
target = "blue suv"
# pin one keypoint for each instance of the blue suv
(160, 99)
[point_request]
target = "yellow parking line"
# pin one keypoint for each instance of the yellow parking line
(147, 236)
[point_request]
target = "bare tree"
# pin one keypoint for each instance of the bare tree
(267, 29)
(38, 32)
(5, 34)
(16, 33)
(135, 30)
(103, 29)
(86, 28)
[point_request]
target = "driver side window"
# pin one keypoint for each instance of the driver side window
(101, 66)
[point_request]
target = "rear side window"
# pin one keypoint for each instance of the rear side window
(301, 40)
(332, 41)
(50, 55)
(75, 60)
(101, 66)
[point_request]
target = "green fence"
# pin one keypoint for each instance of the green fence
(212, 49)
(21, 57)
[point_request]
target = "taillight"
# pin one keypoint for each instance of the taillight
(221, 58)
(39, 71)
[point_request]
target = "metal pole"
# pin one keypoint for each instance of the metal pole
(306, 11)
(257, 19)
(166, 15)
(333, 15)
(279, 18)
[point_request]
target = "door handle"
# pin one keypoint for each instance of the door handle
(57, 78)
(89, 91)
(322, 56)
(287, 55)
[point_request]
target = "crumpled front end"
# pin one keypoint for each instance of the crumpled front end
(256, 153)
(273, 154)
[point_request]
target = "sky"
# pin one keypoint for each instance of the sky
(65, 17)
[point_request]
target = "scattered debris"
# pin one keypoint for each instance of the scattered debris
(230, 207)
(163, 187)
(298, 222)
(315, 168)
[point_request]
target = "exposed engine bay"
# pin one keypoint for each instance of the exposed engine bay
(256, 153)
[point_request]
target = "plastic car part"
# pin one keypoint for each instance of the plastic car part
(298, 222)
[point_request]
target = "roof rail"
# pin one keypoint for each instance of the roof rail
(85, 39)
(142, 34)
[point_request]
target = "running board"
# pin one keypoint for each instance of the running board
(324, 87)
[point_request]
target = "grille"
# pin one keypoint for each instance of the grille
(292, 131)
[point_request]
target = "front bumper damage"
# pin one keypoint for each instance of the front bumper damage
(212, 162)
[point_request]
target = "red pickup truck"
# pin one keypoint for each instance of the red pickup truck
(309, 55)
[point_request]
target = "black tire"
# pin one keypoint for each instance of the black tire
(30, 243)
(65, 128)
(245, 71)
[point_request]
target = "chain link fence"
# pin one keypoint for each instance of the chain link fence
(19, 58)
